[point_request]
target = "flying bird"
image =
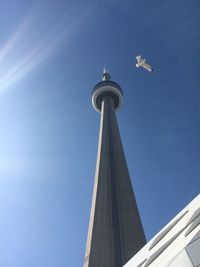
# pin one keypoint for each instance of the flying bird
(141, 62)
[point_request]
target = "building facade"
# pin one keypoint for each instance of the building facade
(176, 245)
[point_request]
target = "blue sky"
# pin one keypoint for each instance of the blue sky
(51, 55)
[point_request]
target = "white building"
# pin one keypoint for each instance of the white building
(176, 245)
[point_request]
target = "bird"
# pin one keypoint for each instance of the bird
(141, 62)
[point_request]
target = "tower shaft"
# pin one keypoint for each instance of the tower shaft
(115, 231)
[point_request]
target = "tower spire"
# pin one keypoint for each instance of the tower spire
(106, 76)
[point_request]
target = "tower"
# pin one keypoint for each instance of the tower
(115, 231)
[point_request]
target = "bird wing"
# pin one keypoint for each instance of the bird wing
(147, 66)
(138, 58)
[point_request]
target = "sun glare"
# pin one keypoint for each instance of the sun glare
(33, 41)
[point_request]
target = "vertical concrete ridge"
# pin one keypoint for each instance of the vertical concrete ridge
(92, 211)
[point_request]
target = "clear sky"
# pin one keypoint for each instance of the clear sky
(51, 55)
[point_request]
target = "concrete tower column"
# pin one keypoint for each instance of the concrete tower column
(115, 231)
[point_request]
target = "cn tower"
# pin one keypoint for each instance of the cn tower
(115, 231)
